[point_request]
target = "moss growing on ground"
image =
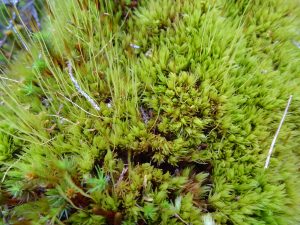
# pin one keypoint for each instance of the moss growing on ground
(154, 112)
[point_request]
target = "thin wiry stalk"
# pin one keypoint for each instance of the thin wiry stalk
(9, 168)
(277, 132)
(6, 78)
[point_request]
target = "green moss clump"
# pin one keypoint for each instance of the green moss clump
(154, 113)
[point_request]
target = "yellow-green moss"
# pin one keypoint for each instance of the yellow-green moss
(190, 96)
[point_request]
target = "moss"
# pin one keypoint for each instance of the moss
(190, 96)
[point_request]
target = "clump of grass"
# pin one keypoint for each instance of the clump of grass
(189, 95)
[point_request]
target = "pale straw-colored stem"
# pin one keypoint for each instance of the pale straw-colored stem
(78, 88)
(277, 132)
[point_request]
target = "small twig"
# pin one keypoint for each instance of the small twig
(124, 171)
(78, 88)
(6, 78)
(178, 217)
(277, 132)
